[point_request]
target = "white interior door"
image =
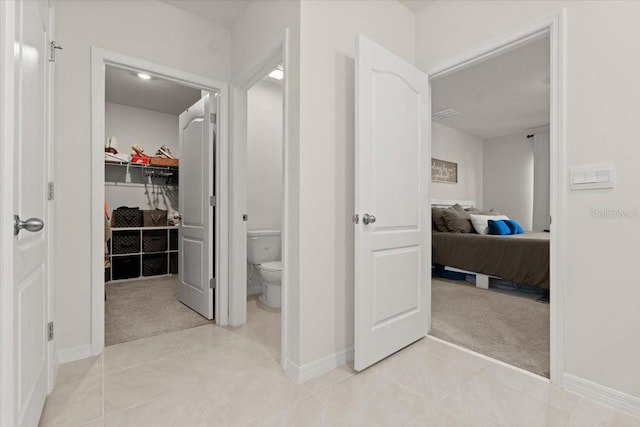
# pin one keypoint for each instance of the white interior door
(196, 192)
(28, 350)
(392, 241)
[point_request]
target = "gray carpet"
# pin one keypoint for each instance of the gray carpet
(509, 328)
(144, 308)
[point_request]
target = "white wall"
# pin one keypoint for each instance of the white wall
(259, 30)
(456, 146)
(602, 319)
(328, 50)
(264, 156)
(508, 177)
(148, 30)
(151, 130)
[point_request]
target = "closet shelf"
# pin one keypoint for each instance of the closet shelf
(150, 171)
(147, 167)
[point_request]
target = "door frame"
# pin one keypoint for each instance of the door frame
(554, 26)
(7, 134)
(100, 58)
(238, 228)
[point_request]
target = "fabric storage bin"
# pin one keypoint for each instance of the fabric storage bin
(173, 263)
(127, 217)
(125, 267)
(154, 218)
(173, 239)
(154, 265)
(154, 240)
(125, 242)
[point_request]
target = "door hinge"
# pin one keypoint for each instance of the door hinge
(245, 217)
(50, 331)
(50, 196)
(212, 283)
(212, 118)
(52, 50)
(212, 200)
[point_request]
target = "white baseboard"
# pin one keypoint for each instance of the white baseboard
(291, 370)
(301, 374)
(604, 395)
(74, 353)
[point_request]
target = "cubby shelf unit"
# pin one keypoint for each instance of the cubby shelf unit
(143, 252)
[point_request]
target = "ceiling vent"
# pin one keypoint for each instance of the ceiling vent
(444, 114)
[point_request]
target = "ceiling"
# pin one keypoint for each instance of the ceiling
(416, 5)
(126, 88)
(223, 12)
(506, 94)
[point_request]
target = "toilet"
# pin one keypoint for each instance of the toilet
(263, 252)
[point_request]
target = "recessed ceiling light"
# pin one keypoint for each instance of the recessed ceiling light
(144, 76)
(277, 74)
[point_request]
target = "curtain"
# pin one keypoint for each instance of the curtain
(541, 182)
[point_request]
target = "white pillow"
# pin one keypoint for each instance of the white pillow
(481, 222)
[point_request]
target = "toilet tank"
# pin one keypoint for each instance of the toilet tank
(263, 246)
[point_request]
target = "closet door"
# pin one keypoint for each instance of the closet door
(196, 191)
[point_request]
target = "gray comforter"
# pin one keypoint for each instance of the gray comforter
(520, 258)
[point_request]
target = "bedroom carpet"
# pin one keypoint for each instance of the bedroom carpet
(145, 308)
(509, 328)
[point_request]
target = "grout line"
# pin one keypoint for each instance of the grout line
(331, 410)
(420, 414)
(143, 363)
(180, 390)
(314, 392)
(103, 390)
(430, 400)
(575, 411)
(280, 408)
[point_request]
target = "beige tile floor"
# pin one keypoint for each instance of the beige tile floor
(213, 376)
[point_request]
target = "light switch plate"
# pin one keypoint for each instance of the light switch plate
(590, 177)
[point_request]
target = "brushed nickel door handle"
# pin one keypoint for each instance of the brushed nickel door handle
(32, 224)
(368, 219)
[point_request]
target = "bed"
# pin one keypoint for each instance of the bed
(519, 258)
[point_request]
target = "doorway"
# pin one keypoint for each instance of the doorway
(274, 62)
(264, 191)
(211, 205)
(548, 33)
(144, 203)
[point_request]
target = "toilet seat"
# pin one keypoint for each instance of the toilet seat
(271, 266)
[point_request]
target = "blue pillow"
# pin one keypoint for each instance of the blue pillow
(514, 226)
(498, 227)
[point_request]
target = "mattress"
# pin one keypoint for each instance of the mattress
(519, 258)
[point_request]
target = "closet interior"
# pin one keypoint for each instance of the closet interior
(142, 212)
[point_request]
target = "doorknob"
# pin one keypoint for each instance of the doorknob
(368, 219)
(32, 224)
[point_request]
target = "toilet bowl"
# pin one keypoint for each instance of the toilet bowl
(271, 277)
(263, 253)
